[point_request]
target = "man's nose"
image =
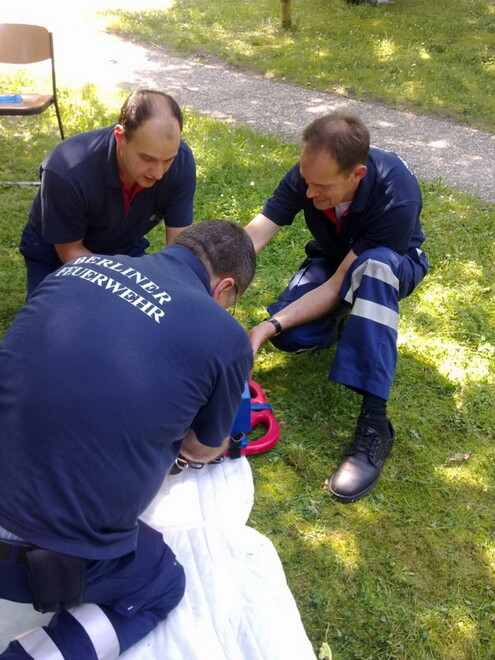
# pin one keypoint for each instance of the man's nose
(159, 170)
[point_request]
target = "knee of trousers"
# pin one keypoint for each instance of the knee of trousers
(289, 341)
(303, 337)
(156, 580)
(378, 267)
(171, 585)
(382, 254)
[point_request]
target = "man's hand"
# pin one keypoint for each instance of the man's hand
(259, 334)
(193, 450)
(312, 305)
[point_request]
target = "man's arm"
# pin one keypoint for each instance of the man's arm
(68, 251)
(193, 450)
(311, 306)
(171, 234)
(175, 194)
(261, 230)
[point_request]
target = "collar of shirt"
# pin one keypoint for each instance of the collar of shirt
(337, 213)
(129, 193)
(186, 255)
(365, 186)
(112, 173)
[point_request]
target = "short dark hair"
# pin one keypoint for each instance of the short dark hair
(145, 103)
(224, 249)
(341, 135)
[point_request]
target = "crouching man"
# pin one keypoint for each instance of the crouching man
(114, 366)
(362, 206)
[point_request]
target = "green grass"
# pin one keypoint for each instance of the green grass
(409, 572)
(429, 57)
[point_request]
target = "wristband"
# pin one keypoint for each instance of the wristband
(275, 323)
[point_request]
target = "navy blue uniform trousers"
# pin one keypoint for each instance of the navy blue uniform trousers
(364, 322)
(124, 599)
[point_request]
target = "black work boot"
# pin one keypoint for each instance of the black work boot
(360, 469)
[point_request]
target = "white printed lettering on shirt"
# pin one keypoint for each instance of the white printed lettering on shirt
(143, 281)
(124, 292)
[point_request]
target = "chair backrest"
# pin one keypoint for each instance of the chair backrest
(28, 44)
(23, 44)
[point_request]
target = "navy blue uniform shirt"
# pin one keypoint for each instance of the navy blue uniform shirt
(81, 198)
(101, 374)
(384, 212)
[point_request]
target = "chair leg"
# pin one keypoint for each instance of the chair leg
(61, 128)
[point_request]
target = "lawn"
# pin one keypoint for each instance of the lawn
(429, 57)
(407, 573)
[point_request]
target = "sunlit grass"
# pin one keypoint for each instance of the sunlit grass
(385, 50)
(463, 476)
(345, 547)
(459, 363)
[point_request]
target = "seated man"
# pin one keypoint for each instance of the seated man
(104, 190)
(115, 366)
(362, 207)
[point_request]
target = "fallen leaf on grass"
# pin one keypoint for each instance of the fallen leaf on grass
(457, 458)
(325, 652)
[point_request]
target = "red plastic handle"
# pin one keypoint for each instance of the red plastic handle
(256, 391)
(271, 436)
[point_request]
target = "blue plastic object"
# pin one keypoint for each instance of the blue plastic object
(242, 422)
(10, 98)
(253, 411)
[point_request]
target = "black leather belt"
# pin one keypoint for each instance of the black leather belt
(14, 552)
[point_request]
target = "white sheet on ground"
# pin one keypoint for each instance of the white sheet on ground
(237, 604)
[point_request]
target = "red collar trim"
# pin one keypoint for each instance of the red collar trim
(330, 213)
(129, 193)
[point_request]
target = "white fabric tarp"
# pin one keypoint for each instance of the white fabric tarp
(237, 604)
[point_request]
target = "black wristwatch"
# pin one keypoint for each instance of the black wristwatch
(275, 323)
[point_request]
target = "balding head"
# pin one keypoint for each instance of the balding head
(148, 137)
(144, 105)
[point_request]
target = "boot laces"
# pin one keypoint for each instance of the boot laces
(366, 440)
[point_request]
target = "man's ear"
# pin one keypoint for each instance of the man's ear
(119, 132)
(223, 285)
(224, 292)
(359, 172)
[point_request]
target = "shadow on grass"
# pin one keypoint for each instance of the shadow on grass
(410, 565)
(408, 571)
